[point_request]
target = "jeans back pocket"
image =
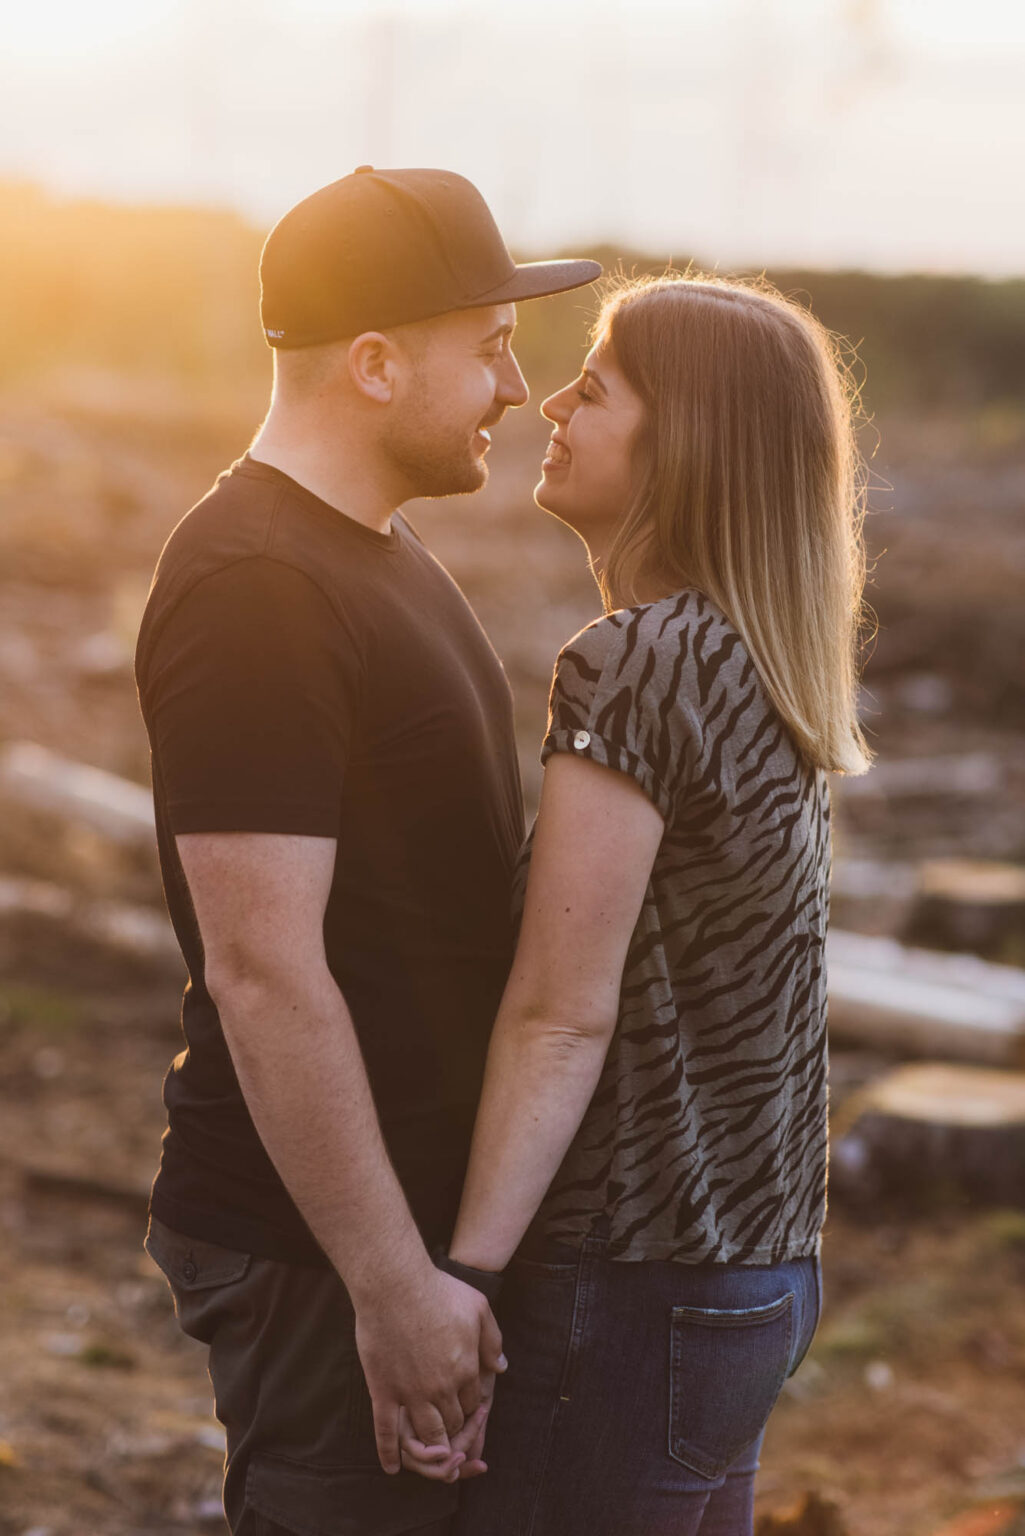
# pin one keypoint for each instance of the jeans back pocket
(727, 1369)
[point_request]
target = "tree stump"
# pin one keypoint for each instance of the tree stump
(970, 904)
(933, 1133)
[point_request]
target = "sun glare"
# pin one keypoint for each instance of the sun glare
(831, 132)
(66, 31)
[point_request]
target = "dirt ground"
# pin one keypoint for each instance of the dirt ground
(911, 1405)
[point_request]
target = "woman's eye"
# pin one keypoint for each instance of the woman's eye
(583, 395)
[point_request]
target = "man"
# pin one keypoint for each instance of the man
(338, 811)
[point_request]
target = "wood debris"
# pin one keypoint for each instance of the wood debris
(886, 996)
(35, 777)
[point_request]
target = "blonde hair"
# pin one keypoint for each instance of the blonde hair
(749, 487)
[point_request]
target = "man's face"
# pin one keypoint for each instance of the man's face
(461, 379)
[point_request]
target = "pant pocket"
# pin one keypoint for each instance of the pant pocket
(811, 1315)
(726, 1371)
(201, 1276)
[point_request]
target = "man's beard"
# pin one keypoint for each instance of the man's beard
(432, 464)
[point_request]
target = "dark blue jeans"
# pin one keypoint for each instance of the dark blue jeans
(637, 1395)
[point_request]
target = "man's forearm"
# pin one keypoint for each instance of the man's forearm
(539, 1081)
(300, 1068)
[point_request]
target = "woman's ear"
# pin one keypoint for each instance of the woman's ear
(374, 365)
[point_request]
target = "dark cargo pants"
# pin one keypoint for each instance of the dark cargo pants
(290, 1392)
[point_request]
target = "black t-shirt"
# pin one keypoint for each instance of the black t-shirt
(301, 673)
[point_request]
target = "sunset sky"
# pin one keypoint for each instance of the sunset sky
(881, 133)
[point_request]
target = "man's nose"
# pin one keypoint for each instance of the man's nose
(513, 388)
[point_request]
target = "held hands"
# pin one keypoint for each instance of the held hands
(430, 1350)
(463, 1458)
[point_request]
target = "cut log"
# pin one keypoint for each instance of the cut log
(917, 1002)
(33, 776)
(970, 904)
(35, 905)
(934, 1131)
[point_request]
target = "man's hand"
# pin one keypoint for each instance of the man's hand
(428, 1348)
(464, 1458)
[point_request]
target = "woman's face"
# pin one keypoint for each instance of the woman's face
(587, 475)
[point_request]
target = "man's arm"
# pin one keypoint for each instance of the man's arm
(423, 1337)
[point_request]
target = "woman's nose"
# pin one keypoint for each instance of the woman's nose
(553, 409)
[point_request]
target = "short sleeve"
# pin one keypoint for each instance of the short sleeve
(251, 696)
(620, 698)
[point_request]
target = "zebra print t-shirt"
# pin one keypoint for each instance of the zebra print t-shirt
(706, 1136)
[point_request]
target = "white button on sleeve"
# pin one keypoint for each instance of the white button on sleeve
(581, 740)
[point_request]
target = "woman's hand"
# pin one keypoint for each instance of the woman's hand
(462, 1459)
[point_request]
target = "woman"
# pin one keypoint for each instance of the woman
(651, 1138)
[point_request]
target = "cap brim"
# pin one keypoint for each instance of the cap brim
(536, 279)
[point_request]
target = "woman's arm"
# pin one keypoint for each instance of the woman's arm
(596, 838)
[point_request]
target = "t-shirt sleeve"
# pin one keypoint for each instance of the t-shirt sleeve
(620, 698)
(252, 693)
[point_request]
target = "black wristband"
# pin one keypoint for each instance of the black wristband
(487, 1281)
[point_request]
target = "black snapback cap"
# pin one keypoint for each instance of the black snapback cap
(384, 248)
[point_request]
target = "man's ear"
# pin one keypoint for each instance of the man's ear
(374, 366)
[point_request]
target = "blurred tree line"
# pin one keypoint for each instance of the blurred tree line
(172, 292)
